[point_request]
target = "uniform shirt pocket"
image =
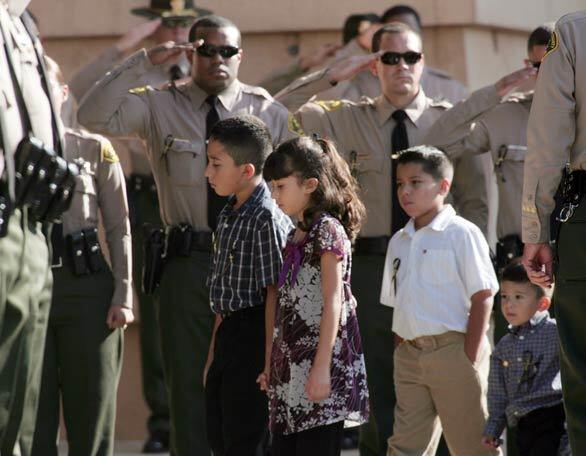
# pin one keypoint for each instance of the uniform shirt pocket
(185, 162)
(438, 266)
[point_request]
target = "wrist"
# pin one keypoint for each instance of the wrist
(331, 79)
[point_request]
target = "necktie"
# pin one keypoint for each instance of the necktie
(399, 141)
(215, 202)
(175, 73)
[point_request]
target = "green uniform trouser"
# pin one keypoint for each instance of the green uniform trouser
(570, 301)
(146, 210)
(83, 360)
(186, 323)
(376, 323)
(25, 300)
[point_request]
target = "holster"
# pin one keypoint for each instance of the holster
(154, 258)
(508, 248)
(92, 250)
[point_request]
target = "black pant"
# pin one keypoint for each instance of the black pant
(319, 441)
(540, 431)
(236, 409)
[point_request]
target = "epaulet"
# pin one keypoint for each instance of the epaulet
(139, 90)
(255, 90)
(330, 105)
(440, 103)
(439, 73)
(518, 97)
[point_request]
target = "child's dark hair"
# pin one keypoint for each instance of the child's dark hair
(432, 160)
(245, 138)
(337, 190)
(515, 272)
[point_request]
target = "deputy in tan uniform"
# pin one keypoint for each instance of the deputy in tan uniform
(367, 132)
(494, 120)
(91, 302)
(556, 136)
(169, 21)
(25, 275)
(174, 122)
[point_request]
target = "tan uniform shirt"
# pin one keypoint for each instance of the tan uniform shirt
(363, 130)
(172, 122)
(483, 124)
(37, 103)
(100, 186)
(132, 149)
(556, 132)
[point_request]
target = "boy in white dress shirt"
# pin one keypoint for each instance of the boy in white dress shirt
(440, 281)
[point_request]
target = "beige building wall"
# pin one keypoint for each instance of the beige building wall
(477, 41)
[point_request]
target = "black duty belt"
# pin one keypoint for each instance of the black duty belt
(182, 240)
(372, 245)
(141, 183)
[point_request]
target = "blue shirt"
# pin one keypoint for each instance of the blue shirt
(247, 255)
(524, 373)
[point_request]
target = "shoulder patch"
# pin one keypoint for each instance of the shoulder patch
(294, 125)
(552, 45)
(139, 90)
(108, 153)
(330, 105)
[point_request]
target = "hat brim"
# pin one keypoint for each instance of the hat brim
(152, 13)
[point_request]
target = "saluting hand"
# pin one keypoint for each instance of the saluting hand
(350, 67)
(538, 262)
(507, 83)
(119, 317)
(318, 386)
(170, 50)
(136, 34)
(319, 56)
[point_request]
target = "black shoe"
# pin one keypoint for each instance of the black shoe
(158, 442)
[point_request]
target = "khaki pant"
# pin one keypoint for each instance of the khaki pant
(438, 387)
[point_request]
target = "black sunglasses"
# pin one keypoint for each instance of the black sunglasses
(393, 58)
(209, 50)
(177, 22)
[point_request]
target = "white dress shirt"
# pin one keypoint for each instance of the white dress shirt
(431, 274)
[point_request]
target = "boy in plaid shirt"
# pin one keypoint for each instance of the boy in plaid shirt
(245, 269)
(524, 387)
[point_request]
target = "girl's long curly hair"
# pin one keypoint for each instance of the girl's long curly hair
(337, 190)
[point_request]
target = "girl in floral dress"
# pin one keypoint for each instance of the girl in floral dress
(314, 374)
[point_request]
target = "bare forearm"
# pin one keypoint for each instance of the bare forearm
(477, 322)
(270, 311)
(217, 322)
(328, 330)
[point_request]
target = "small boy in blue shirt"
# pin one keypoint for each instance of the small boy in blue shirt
(524, 382)
(243, 279)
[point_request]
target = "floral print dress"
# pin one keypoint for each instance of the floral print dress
(296, 337)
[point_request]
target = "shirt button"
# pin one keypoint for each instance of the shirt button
(521, 337)
(519, 359)
(531, 331)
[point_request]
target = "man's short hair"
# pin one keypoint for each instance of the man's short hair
(515, 272)
(246, 139)
(352, 24)
(432, 160)
(214, 22)
(540, 36)
(399, 10)
(392, 28)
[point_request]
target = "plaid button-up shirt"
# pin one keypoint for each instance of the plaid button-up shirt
(524, 373)
(247, 257)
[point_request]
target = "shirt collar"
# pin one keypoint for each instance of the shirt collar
(258, 194)
(414, 110)
(227, 97)
(439, 222)
(535, 322)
